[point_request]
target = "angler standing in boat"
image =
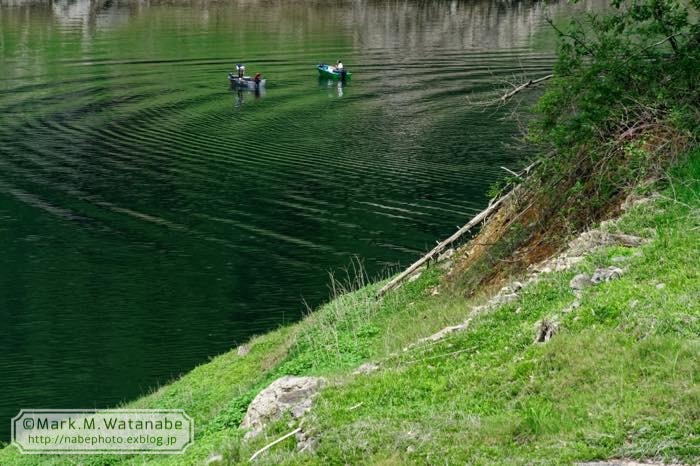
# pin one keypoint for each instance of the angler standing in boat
(341, 70)
(257, 80)
(240, 68)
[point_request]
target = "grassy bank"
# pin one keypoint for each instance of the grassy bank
(619, 376)
(619, 379)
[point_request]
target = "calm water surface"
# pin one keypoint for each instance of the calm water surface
(151, 218)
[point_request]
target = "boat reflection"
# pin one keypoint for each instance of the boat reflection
(241, 95)
(334, 87)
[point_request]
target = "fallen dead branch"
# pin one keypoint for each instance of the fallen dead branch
(483, 215)
(480, 217)
(272, 444)
(527, 84)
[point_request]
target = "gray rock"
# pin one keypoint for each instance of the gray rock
(444, 332)
(366, 368)
(545, 330)
(243, 350)
(580, 282)
(287, 394)
(571, 307)
(306, 443)
(606, 274)
(446, 255)
(660, 286)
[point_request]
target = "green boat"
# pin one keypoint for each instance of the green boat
(331, 72)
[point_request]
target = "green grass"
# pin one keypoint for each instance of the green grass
(619, 379)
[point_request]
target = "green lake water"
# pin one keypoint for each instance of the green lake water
(151, 217)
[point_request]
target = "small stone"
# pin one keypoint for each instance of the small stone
(660, 286)
(243, 350)
(506, 298)
(444, 332)
(410, 449)
(306, 443)
(445, 265)
(446, 255)
(545, 330)
(579, 282)
(571, 307)
(366, 368)
(618, 259)
(606, 274)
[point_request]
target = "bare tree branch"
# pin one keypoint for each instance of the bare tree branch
(270, 445)
(529, 83)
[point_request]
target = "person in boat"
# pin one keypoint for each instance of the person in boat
(240, 68)
(340, 69)
(257, 79)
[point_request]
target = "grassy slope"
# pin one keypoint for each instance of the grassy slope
(619, 379)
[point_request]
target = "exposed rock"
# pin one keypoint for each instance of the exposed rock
(446, 255)
(628, 240)
(584, 244)
(305, 442)
(287, 394)
(445, 265)
(545, 330)
(243, 350)
(660, 286)
(571, 307)
(559, 263)
(506, 298)
(619, 259)
(366, 368)
(634, 200)
(579, 283)
(444, 332)
(606, 274)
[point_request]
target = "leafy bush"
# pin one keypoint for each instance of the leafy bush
(621, 72)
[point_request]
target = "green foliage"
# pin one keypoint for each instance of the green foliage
(623, 103)
(640, 61)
